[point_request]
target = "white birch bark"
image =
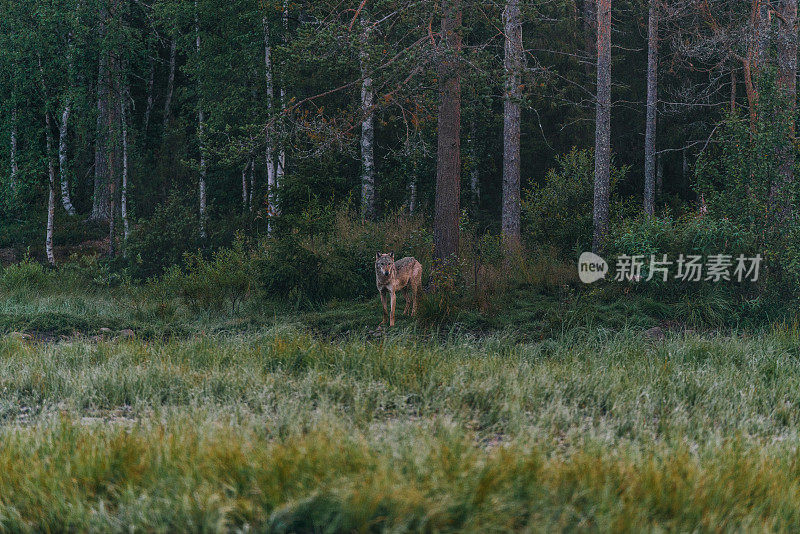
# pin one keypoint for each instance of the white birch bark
(51, 173)
(367, 129)
(66, 201)
(51, 197)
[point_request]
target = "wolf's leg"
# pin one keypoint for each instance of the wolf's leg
(385, 310)
(416, 283)
(391, 308)
(407, 295)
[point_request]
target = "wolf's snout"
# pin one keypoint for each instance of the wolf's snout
(385, 273)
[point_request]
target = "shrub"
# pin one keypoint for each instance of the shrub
(559, 212)
(206, 284)
(698, 302)
(162, 240)
(27, 274)
(337, 263)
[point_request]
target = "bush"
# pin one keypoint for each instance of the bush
(559, 212)
(337, 263)
(205, 284)
(698, 301)
(162, 240)
(27, 274)
(737, 178)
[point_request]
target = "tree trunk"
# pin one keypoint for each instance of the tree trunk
(589, 33)
(733, 90)
(684, 166)
(281, 164)
(124, 193)
(602, 137)
(245, 197)
(101, 198)
(14, 165)
(252, 193)
(750, 63)
(448, 158)
(367, 130)
(66, 201)
(513, 61)
(201, 133)
(170, 81)
(412, 195)
(270, 97)
(652, 99)
(659, 176)
(787, 85)
(474, 169)
(51, 197)
(150, 100)
(412, 182)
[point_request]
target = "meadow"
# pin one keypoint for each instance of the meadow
(311, 421)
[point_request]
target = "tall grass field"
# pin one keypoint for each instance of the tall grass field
(283, 430)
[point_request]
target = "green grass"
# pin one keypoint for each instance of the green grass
(280, 429)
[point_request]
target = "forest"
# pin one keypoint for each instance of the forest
(201, 203)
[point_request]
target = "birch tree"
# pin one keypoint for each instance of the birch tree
(66, 200)
(513, 61)
(51, 172)
(51, 192)
(602, 136)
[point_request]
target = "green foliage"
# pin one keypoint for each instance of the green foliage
(162, 240)
(738, 174)
(739, 179)
(559, 211)
(204, 284)
(698, 302)
(336, 261)
(24, 275)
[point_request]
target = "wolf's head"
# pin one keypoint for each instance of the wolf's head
(384, 264)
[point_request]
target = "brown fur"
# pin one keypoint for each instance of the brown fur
(392, 276)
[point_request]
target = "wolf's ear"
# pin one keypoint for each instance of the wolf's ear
(377, 256)
(391, 255)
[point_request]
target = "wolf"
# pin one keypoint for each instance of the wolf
(392, 276)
